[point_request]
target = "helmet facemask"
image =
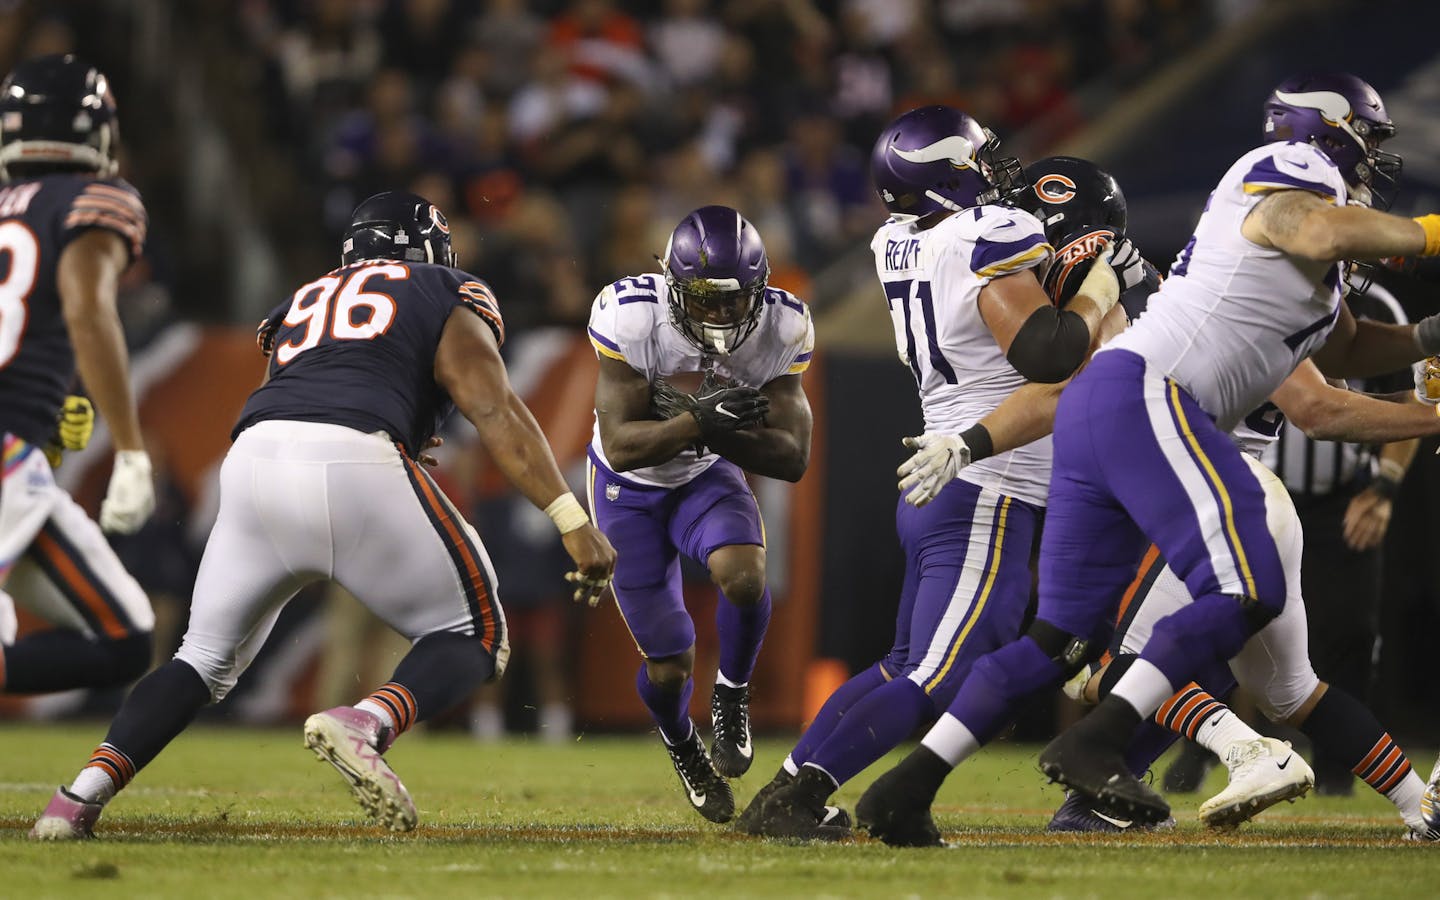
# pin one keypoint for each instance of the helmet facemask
(715, 314)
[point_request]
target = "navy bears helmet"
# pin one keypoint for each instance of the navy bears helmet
(398, 225)
(1082, 210)
(57, 112)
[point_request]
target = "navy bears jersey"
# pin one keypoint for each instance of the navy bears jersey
(39, 217)
(356, 348)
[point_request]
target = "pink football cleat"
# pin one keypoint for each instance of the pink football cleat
(350, 740)
(66, 818)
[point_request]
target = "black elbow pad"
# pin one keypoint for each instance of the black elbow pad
(1050, 346)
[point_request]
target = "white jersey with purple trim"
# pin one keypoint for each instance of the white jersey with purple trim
(1233, 319)
(932, 279)
(630, 322)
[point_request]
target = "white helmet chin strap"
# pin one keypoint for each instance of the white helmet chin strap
(717, 338)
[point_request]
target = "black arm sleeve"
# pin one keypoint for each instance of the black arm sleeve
(1050, 346)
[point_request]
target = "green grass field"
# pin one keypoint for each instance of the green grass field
(244, 813)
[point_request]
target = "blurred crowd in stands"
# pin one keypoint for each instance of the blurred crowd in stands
(565, 138)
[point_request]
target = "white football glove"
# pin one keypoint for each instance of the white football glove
(938, 459)
(1127, 262)
(1427, 380)
(130, 499)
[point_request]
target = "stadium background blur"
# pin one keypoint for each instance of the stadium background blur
(564, 139)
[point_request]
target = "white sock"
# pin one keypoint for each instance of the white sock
(1144, 687)
(721, 679)
(93, 785)
(557, 723)
(1406, 797)
(789, 766)
(950, 740)
(1223, 729)
(486, 723)
(379, 711)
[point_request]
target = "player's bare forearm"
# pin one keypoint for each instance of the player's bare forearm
(1328, 413)
(88, 278)
(1368, 349)
(1025, 416)
(518, 448)
(469, 367)
(631, 436)
(1304, 224)
(637, 444)
(781, 448)
(1399, 454)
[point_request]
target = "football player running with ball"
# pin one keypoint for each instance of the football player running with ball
(1143, 453)
(68, 229)
(324, 481)
(667, 469)
(972, 322)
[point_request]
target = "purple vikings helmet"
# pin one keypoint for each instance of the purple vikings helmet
(937, 159)
(1346, 120)
(716, 270)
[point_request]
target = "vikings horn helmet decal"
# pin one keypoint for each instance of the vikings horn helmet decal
(1345, 118)
(937, 159)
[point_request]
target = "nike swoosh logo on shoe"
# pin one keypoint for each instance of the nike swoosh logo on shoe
(744, 749)
(697, 799)
(1118, 823)
(1282, 765)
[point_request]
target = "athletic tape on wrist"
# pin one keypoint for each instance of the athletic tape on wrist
(1431, 224)
(567, 513)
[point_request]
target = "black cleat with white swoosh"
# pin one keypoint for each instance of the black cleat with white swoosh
(707, 792)
(730, 714)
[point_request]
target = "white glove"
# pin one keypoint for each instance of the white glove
(1427, 380)
(938, 459)
(1100, 284)
(1127, 262)
(130, 499)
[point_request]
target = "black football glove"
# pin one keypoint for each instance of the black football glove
(667, 402)
(723, 410)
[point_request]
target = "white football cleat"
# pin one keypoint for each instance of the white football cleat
(349, 739)
(1430, 805)
(1262, 773)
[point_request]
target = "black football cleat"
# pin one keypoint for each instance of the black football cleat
(896, 808)
(1078, 813)
(707, 792)
(730, 714)
(748, 821)
(797, 811)
(1099, 774)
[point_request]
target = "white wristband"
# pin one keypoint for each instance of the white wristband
(567, 513)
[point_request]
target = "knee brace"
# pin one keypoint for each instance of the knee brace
(1068, 651)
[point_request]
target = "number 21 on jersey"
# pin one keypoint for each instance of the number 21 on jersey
(341, 307)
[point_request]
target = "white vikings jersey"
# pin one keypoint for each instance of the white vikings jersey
(630, 321)
(932, 280)
(1234, 319)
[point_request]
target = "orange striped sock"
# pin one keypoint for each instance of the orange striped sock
(398, 703)
(1191, 707)
(106, 773)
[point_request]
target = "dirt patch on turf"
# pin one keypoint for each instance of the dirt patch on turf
(219, 831)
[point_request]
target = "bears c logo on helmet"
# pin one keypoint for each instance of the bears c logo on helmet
(438, 218)
(1055, 188)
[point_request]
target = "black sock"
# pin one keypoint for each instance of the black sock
(1349, 732)
(1118, 667)
(161, 706)
(442, 669)
(62, 659)
(1112, 724)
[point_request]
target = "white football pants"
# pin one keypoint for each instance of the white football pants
(1274, 666)
(303, 501)
(55, 562)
